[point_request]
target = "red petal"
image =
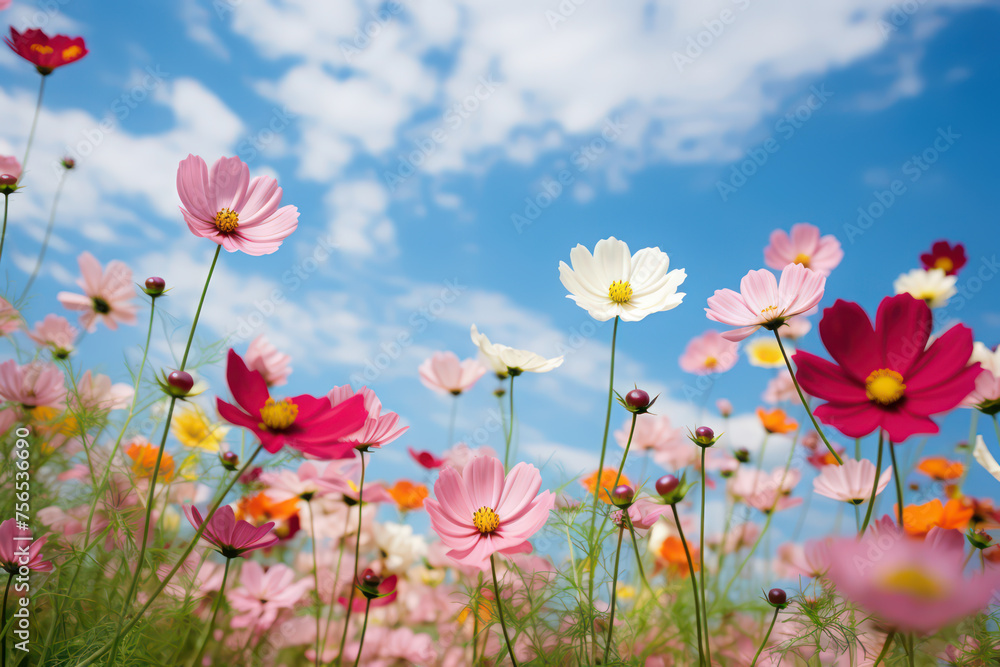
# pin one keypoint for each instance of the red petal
(825, 380)
(903, 325)
(944, 359)
(248, 387)
(900, 424)
(854, 421)
(848, 335)
(944, 396)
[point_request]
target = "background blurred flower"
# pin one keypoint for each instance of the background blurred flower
(56, 333)
(851, 482)
(949, 258)
(33, 385)
(107, 294)
(516, 361)
(445, 373)
(192, 428)
(803, 246)
(763, 352)
(933, 286)
(262, 356)
(44, 52)
(709, 353)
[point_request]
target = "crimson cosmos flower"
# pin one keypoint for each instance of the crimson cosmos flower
(886, 377)
(311, 425)
(944, 255)
(44, 52)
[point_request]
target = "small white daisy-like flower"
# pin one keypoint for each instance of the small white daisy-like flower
(933, 286)
(515, 361)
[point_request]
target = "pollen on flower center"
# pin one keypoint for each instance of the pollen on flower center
(944, 263)
(71, 52)
(227, 220)
(41, 48)
(711, 362)
(802, 259)
(486, 520)
(914, 582)
(884, 386)
(620, 291)
(770, 311)
(278, 415)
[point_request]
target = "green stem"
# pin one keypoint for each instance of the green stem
(3, 623)
(336, 578)
(878, 472)
(767, 524)
(614, 592)
(215, 611)
(503, 624)
(34, 124)
(364, 627)
(638, 556)
(805, 403)
(319, 603)
(451, 422)
(885, 648)
(694, 584)
(701, 562)
(766, 635)
(48, 233)
(628, 444)
(899, 485)
(970, 446)
(357, 559)
(3, 232)
(510, 428)
(197, 313)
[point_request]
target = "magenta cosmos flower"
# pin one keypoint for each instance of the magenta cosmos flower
(445, 373)
(107, 294)
(232, 538)
(886, 377)
(480, 512)
(375, 591)
(262, 356)
(379, 428)
(765, 302)
(226, 206)
(306, 423)
(804, 246)
(18, 550)
(426, 459)
(33, 385)
(915, 585)
(709, 353)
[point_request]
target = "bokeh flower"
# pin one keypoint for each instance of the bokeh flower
(932, 286)
(945, 256)
(776, 421)
(443, 372)
(940, 469)
(107, 294)
(516, 361)
(10, 318)
(709, 353)
(408, 495)
(803, 246)
(32, 385)
(605, 479)
(986, 395)
(56, 333)
(231, 537)
(192, 427)
(44, 52)
(262, 356)
(764, 352)
(851, 482)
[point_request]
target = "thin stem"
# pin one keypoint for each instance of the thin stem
(336, 579)
(694, 583)
(510, 428)
(766, 635)
(48, 233)
(970, 445)
(34, 124)
(885, 648)
(638, 556)
(625, 455)
(201, 302)
(503, 624)
(215, 611)
(805, 404)
(899, 485)
(3, 232)
(878, 472)
(3, 623)
(319, 602)
(451, 422)
(357, 559)
(701, 561)
(364, 627)
(614, 593)
(767, 524)
(475, 629)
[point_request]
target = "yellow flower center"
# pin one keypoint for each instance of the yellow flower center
(802, 259)
(770, 311)
(711, 362)
(486, 520)
(71, 52)
(620, 291)
(913, 582)
(227, 220)
(277, 416)
(41, 48)
(944, 263)
(884, 386)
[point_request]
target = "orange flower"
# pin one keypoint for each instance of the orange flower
(919, 519)
(143, 455)
(776, 421)
(260, 509)
(941, 469)
(408, 496)
(606, 479)
(672, 555)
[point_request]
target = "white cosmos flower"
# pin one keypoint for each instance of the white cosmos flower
(615, 283)
(933, 286)
(401, 547)
(516, 361)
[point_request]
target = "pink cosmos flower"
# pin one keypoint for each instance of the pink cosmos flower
(724, 406)
(803, 246)
(643, 513)
(10, 319)
(445, 373)
(343, 477)
(35, 384)
(653, 433)
(766, 492)
(780, 388)
(915, 585)
(232, 538)
(107, 294)
(262, 356)
(426, 459)
(263, 594)
(229, 208)
(379, 429)
(56, 333)
(17, 549)
(851, 482)
(709, 353)
(482, 512)
(95, 392)
(306, 483)
(764, 301)
(461, 455)
(9, 165)
(986, 395)
(811, 560)
(796, 327)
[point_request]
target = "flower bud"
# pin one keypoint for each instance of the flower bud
(230, 460)
(8, 183)
(622, 495)
(181, 381)
(671, 489)
(636, 401)
(68, 162)
(776, 597)
(704, 436)
(742, 454)
(155, 286)
(666, 485)
(979, 539)
(368, 584)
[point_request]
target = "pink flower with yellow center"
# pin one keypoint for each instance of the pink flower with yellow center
(803, 246)
(709, 353)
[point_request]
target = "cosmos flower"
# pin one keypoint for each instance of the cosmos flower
(408, 496)
(107, 294)
(263, 594)
(378, 595)
(516, 361)
(444, 372)
(426, 459)
(851, 482)
(14, 546)
(10, 319)
(780, 388)
(763, 352)
(614, 283)
(231, 538)
(886, 377)
(765, 302)
(776, 421)
(653, 433)
(709, 353)
(933, 286)
(941, 469)
(606, 480)
(401, 546)
(94, 391)
(803, 246)
(986, 396)
(10, 166)
(642, 514)
(229, 208)
(262, 356)
(56, 333)
(192, 427)
(44, 52)
(921, 519)
(144, 454)
(379, 428)
(311, 425)
(949, 258)
(35, 384)
(482, 511)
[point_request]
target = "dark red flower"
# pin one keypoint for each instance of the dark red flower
(887, 377)
(44, 52)
(306, 423)
(375, 590)
(945, 256)
(426, 459)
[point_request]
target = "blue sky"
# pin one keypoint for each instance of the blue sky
(849, 92)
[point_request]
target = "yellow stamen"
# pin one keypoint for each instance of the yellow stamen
(944, 263)
(41, 48)
(620, 291)
(802, 259)
(277, 416)
(914, 582)
(227, 220)
(71, 52)
(486, 520)
(770, 311)
(711, 362)
(884, 386)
